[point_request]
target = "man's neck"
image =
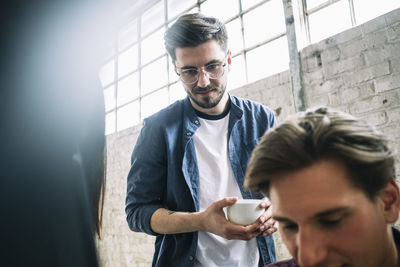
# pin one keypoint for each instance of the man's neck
(395, 248)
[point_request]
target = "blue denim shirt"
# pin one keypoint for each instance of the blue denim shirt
(164, 172)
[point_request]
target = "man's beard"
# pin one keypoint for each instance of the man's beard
(207, 101)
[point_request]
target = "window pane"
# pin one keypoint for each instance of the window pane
(235, 40)
(154, 75)
(128, 116)
(109, 97)
(366, 10)
(153, 18)
(128, 35)
(128, 61)
(110, 122)
(321, 25)
(268, 59)
(178, 6)
(249, 3)
(154, 102)
(176, 92)
(107, 73)
(269, 21)
(314, 3)
(221, 9)
(191, 11)
(237, 75)
(128, 89)
(153, 46)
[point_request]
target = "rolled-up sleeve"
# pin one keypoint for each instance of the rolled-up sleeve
(146, 179)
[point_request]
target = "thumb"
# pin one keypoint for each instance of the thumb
(228, 201)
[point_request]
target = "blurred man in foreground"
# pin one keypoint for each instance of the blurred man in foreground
(331, 180)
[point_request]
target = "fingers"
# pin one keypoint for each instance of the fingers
(239, 232)
(265, 203)
(270, 226)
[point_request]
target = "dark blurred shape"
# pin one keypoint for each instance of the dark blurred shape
(52, 131)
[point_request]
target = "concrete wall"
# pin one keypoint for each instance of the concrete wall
(357, 71)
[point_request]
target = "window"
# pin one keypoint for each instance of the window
(324, 18)
(138, 76)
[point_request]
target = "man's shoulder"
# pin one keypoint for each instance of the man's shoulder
(284, 263)
(167, 113)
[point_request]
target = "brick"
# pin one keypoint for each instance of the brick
(388, 82)
(312, 78)
(310, 64)
(376, 55)
(327, 86)
(318, 100)
(392, 17)
(378, 102)
(329, 55)
(334, 99)
(369, 40)
(308, 51)
(282, 252)
(345, 65)
(367, 89)
(350, 94)
(332, 69)
(352, 48)
(278, 97)
(393, 32)
(394, 114)
(376, 118)
(374, 25)
(284, 77)
(393, 49)
(375, 39)
(367, 74)
(349, 35)
(392, 131)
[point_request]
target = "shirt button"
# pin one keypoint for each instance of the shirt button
(191, 258)
(188, 133)
(196, 122)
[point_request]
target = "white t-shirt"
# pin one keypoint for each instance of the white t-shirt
(216, 182)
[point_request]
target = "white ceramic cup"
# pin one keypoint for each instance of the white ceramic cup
(245, 211)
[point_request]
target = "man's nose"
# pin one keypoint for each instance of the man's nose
(311, 248)
(204, 79)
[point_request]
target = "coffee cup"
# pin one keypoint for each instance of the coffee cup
(245, 211)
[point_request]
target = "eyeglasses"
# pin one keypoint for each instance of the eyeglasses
(191, 75)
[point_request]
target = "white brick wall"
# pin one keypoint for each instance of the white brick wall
(357, 71)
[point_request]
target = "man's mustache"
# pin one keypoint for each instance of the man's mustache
(203, 89)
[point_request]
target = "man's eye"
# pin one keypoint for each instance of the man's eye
(212, 67)
(330, 223)
(290, 227)
(189, 72)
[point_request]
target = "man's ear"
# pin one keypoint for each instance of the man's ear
(390, 197)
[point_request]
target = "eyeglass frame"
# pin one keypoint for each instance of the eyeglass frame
(222, 64)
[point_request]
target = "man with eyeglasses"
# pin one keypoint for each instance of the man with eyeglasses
(190, 158)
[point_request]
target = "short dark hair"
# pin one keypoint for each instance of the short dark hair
(191, 30)
(323, 134)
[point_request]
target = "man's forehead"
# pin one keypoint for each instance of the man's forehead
(199, 55)
(312, 190)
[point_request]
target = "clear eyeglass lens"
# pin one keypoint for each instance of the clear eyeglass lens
(214, 71)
